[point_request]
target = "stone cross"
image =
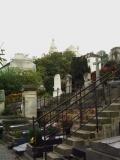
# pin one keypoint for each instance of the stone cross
(97, 68)
(57, 86)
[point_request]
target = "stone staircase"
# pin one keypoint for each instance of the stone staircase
(108, 121)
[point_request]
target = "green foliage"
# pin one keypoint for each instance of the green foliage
(31, 77)
(51, 131)
(37, 134)
(79, 66)
(12, 80)
(17, 133)
(104, 57)
(7, 111)
(56, 63)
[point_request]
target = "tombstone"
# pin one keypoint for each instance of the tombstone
(57, 86)
(97, 68)
(68, 83)
(87, 79)
(29, 102)
(2, 101)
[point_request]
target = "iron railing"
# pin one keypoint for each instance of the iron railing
(83, 106)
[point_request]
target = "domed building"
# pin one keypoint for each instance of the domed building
(20, 61)
(115, 54)
(74, 49)
(53, 48)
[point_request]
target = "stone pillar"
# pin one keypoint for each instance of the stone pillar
(68, 83)
(57, 86)
(97, 69)
(29, 105)
(87, 79)
(2, 101)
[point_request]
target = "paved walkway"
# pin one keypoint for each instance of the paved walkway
(6, 154)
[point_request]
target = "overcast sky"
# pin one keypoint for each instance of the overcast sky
(28, 26)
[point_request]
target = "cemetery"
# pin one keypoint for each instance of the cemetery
(80, 119)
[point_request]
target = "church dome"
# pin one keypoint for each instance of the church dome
(53, 48)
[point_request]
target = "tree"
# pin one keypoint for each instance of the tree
(12, 80)
(55, 63)
(104, 57)
(79, 67)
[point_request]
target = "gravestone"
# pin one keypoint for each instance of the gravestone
(97, 63)
(68, 83)
(57, 86)
(2, 101)
(87, 79)
(29, 102)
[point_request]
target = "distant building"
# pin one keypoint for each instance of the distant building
(74, 49)
(115, 54)
(20, 61)
(91, 59)
(53, 48)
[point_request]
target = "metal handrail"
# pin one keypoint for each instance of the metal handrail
(61, 104)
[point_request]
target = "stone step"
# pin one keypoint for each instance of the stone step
(54, 156)
(84, 134)
(74, 141)
(91, 127)
(108, 113)
(63, 149)
(101, 120)
(115, 106)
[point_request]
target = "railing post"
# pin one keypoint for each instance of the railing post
(34, 136)
(96, 107)
(69, 95)
(33, 126)
(57, 95)
(109, 93)
(44, 101)
(80, 109)
(44, 132)
(104, 96)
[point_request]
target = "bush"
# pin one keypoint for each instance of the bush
(16, 134)
(7, 111)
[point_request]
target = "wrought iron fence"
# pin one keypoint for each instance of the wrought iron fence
(82, 107)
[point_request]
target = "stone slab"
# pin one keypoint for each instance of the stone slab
(109, 146)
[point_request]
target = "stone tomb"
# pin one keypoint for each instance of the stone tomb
(105, 149)
(29, 105)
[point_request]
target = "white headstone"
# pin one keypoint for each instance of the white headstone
(57, 86)
(68, 83)
(97, 63)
